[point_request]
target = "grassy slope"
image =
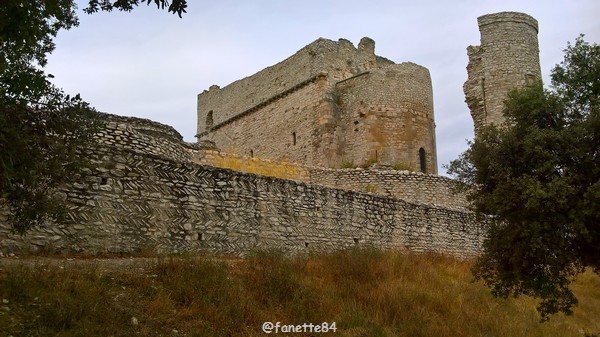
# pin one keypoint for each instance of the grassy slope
(367, 293)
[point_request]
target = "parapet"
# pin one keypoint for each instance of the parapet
(145, 126)
(515, 17)
(143, 136)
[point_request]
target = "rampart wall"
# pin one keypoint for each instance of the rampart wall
(412, 187)
(137, 200)
(143, 136)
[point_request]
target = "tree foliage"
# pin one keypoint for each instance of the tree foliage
(538, 175)
(176, 6)
(42, 129)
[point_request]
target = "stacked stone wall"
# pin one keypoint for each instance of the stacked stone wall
(412, 187)
(143, 136)
(134, 201)
(170, 206)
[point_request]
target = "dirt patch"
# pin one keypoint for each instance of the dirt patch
(103, 265)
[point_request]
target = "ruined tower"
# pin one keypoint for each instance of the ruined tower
(507, 58)
(329, 105)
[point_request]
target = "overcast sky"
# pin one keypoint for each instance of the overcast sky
(152, 64)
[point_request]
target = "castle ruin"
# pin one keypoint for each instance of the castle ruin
(507, 58)
(328, 105)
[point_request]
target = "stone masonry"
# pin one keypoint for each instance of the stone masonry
(327, 105)
(507, 58)
(330, 104)
(415, 187)
(145, 193)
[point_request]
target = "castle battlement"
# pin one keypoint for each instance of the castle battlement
(497, 19)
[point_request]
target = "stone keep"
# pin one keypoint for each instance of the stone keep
(329, 105)
(507, 58)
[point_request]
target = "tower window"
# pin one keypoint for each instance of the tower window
(209, 120)
(294, 137)
(251, 153)
(422, 160)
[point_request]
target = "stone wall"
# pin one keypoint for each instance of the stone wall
(412, 187)
(169, 206)
(283, 128)
(327, 105)
(143, 136)
(256, 165)
(507, 58)
(134, 200)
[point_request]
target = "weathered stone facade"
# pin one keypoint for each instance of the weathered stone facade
(328, 105)
(507, 58)
(146, 193)
(414, 187)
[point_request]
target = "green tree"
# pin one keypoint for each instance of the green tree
(537, 175)
(42, 130)
(176, 6)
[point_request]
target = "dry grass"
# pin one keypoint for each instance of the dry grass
(277, 169)
(371, 188)
(404, 167)
(366, 292)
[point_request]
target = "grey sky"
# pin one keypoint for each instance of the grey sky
(151, 64)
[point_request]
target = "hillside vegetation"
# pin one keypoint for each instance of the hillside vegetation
(365, 292)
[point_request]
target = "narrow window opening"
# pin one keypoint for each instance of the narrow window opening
(200, 237)
(103, 181)
(294, 137)
(251, 153)
(422, 160)
(209, 120)
(355, 241)
(306, 244)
